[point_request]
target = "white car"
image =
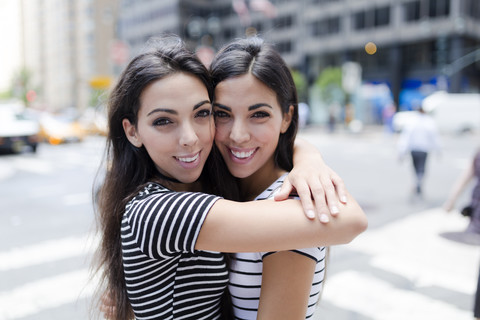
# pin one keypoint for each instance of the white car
(17, 131)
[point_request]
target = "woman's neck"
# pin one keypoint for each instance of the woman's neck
(252, 186)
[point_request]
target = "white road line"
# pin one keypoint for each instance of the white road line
(379, 300)
(413, 248)
(45, 294)
(47, 251)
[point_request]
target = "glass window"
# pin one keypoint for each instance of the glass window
(326, 27)
(359, 20)
(411, 11)
(439, 8)
(283, 22)
(284, 47)
(382, 16)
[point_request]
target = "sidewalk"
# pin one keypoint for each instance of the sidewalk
(408, 269)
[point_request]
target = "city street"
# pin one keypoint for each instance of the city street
(405, 266)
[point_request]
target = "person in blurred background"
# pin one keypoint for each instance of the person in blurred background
(472, 210)
(419, 137)
(160, 253)
(256, 119)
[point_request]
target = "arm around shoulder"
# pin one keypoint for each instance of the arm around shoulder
(267, 225)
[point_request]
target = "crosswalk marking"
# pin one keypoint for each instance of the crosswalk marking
(45, 294)
(46, 251)
(412, 249)
(379, 300)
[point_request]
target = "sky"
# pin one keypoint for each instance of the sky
(9, 41)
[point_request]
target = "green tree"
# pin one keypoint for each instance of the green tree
(329, 82)
(301, 85)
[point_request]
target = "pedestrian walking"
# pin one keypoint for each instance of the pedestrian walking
(470, 210)
(419, 138)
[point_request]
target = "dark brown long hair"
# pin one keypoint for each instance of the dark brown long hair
(128, 168)
(253, 55)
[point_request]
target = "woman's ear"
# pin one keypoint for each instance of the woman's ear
(287, 119)
(131, 133)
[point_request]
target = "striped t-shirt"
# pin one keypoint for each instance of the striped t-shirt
(246, 273)
(166, 278)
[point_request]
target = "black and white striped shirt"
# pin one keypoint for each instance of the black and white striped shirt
(246, 273)
(166, 277)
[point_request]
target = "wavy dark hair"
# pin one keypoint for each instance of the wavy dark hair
(128, 168)
(253, 55)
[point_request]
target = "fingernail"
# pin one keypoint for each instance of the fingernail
(324, 217)
(344, 199)
(334, 210)
(311, 214)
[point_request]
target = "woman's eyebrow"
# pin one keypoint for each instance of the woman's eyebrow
(201, 103)
(172, 111)
(221, 106)
(259, 105)
(162, 110)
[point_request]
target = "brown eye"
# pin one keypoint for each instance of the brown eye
(162, 122)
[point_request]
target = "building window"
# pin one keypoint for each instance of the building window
(372, 18)
(439, 8)
(359, 20)
(283, 22)
(473, 9)
(382, 16)
(326, 27)
(323, 1)
(411, 11)
(284, 47)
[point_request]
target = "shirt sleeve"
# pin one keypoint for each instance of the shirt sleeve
(164, 224)
(317, 253)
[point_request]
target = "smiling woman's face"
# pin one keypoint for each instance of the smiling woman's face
(248, 121)
(175, 124)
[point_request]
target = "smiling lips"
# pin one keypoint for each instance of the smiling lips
(189, 162)
(189, 159)
(241, 155)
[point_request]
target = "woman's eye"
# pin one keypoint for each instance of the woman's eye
(162, 122)
(221, 114)
(260, 114)
(203, 113)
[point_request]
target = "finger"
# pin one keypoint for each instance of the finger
(305, 196)
(318, 195)
(340, 187)
(330, 197)
(284, 191)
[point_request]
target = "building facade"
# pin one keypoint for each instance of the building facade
(66, 45)
(411, 46)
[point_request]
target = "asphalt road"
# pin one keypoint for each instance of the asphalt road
(403, 267)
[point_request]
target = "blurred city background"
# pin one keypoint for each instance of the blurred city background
(361, 68)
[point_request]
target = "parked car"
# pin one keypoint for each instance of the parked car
(17, 130)
(57, 129)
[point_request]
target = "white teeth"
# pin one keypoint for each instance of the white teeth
(188, 159)
(242, 155)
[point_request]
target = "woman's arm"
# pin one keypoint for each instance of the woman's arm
(286, 283)
(459, 186)
(317, 185)
(266, 225)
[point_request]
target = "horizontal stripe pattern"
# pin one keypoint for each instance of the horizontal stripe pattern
(246, 273)
(166, 277)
